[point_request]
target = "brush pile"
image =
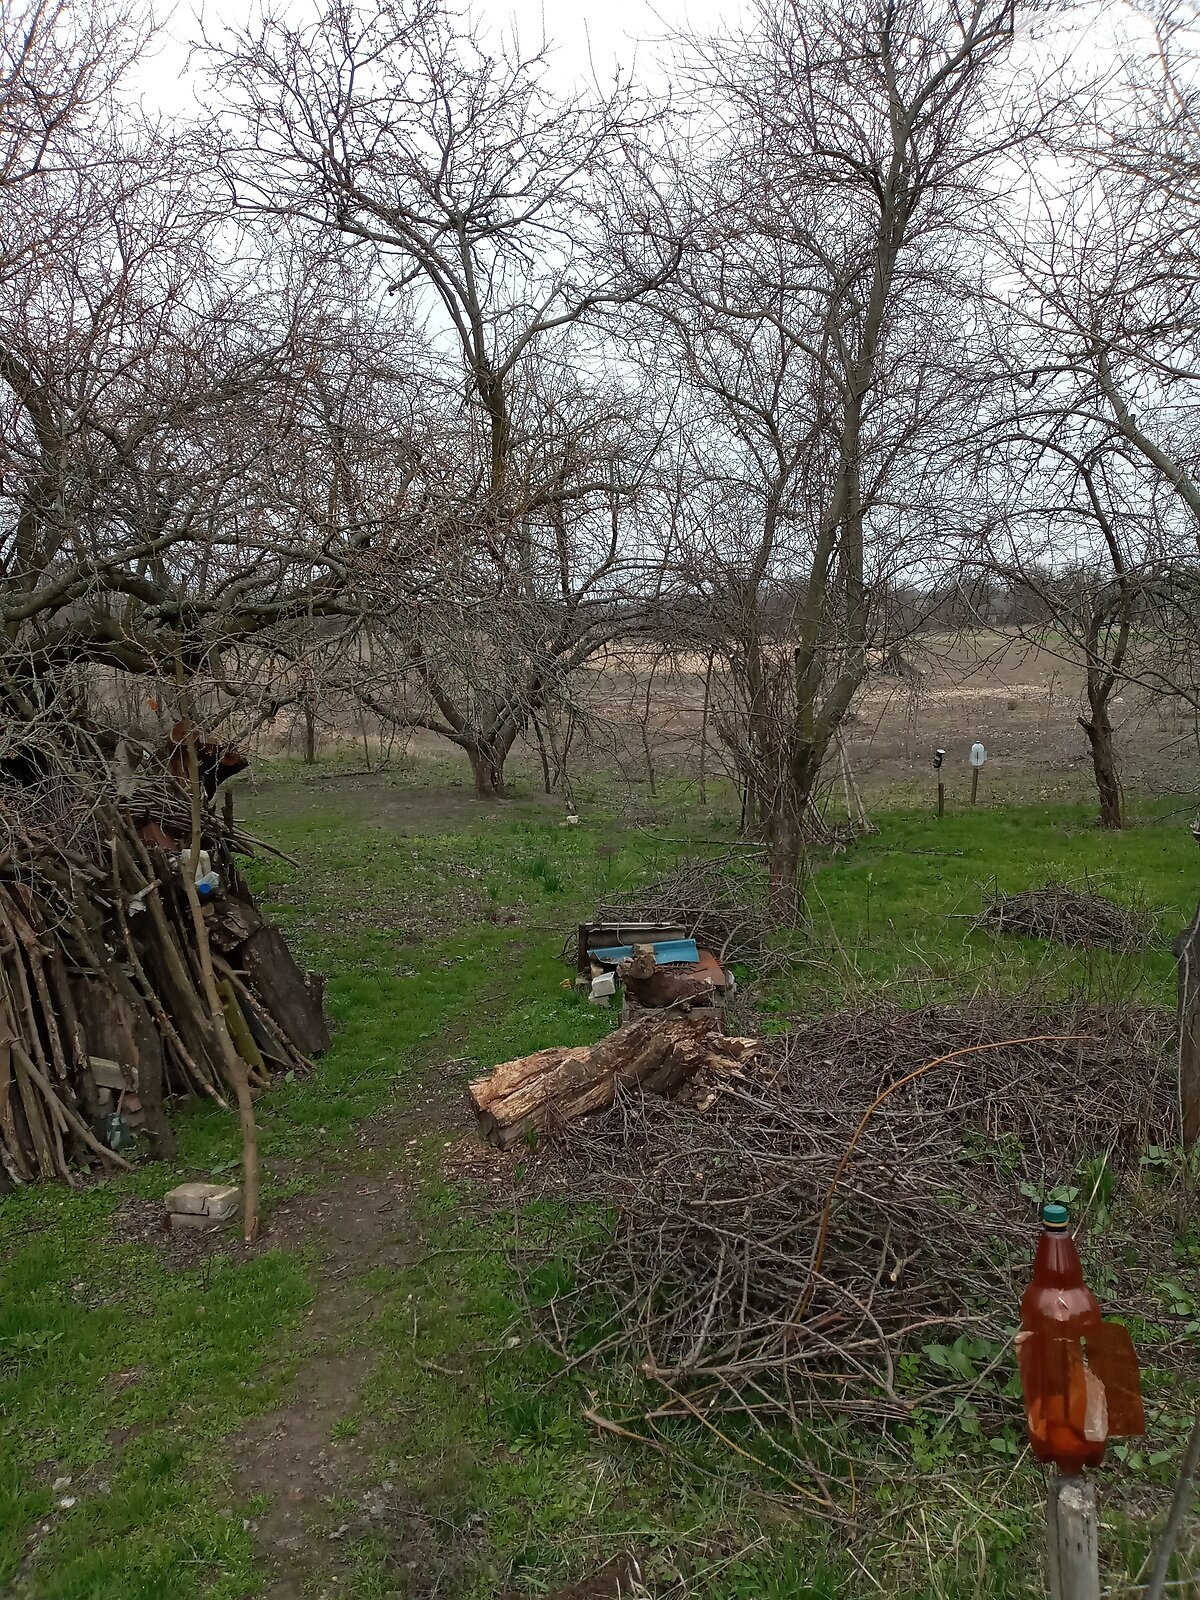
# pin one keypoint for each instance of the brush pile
(834, 1238)
(720, 901)
(1068, 916)
(103, 1016)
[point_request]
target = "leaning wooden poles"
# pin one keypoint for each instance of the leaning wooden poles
(119, 989)
(236, 1068)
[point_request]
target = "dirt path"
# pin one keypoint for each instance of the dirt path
(324, 1492)
(291, 1456)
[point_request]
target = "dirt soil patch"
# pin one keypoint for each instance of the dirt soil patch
(322, 1489)
(325, 1489)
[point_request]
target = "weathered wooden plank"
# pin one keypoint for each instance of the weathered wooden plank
(279, 982)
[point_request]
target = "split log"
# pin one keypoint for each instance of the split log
(656, 1055)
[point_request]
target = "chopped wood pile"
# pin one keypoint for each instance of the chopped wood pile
(103, 1016)
(1069, 916)
(843, 1230)
(657, 1056)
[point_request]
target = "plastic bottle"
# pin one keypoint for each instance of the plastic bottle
(1065, 1403)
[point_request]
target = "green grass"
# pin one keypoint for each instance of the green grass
(898, 909)
(117, 1374)
(441, 936)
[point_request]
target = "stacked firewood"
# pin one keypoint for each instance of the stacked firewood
(659, 1054)
(103, 1009)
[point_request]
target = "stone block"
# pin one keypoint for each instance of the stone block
(217, 1202)
(195, 1222)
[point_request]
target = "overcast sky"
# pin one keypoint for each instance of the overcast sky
(589, 36)
(586, 35)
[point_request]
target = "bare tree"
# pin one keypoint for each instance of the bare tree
(493, 207)
(816, 317)
(1096, 329)
(160, 453)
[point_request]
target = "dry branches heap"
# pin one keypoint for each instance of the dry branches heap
(720, 901)
(844, 1234)
(1069, 916)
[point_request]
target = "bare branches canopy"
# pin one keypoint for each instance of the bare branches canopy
(400, 367)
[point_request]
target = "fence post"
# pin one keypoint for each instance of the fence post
(1072, 1539)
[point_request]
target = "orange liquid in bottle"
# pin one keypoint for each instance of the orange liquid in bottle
(1060, 1308)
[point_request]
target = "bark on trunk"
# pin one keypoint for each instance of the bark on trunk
(1104, 764)
(487, 769)
(547, 785)
(784, 831)
(785, 852)
(310, 737)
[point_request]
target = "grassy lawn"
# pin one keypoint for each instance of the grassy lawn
(128, 1374)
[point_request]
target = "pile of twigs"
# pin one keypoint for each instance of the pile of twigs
(105, 1003)
(843, 1232)
(720, 901)
(1068, 915)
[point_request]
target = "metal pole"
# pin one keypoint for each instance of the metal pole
(941, 799)
(974, 784)
(1072, 1542)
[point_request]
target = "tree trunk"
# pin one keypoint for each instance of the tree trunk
(310, 736)
(783, 828)
(1104, 763)
(704, 734)
(547, 785)
(756, 811)
(487, 768)
(785, 852)
(1187, 955)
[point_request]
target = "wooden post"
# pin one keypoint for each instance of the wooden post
(1072, 1540)
(1187, 956)
(941, 798)
(974, 784)
(227, 807)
